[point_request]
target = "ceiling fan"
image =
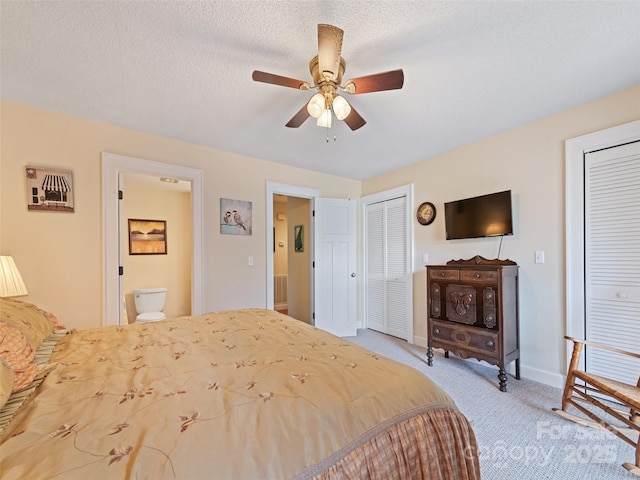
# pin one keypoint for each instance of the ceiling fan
(326, 70)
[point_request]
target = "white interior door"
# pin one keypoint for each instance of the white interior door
(335, 266)
(612, 259)
(122, 231)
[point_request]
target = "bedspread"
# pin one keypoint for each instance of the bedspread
(244, 394)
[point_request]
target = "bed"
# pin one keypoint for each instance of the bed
(243, 394)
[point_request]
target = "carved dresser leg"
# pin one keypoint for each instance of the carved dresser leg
(502, 376)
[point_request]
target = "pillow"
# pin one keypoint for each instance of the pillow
(18, 355)
(57, 326)
(34, 323)
(6, 382)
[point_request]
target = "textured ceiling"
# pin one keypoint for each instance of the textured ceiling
(183, 70)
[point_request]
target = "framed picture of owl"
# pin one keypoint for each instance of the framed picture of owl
(235, 217)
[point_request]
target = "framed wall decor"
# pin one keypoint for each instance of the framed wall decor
(235, 217)
(147, 237)
(49, 189)
(298, 238)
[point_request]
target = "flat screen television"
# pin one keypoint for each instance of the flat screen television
(483, 216)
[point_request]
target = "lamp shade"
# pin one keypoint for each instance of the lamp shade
(324, 120)
(11, 284)
(316, 105)
(341, 107)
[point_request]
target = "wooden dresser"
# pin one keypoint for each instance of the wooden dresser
(473, 312)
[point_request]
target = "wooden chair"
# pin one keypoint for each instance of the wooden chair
(579, 391)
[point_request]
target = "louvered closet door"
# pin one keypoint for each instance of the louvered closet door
(387, 271)
(397, 275)
(375, 267)
(612, 259)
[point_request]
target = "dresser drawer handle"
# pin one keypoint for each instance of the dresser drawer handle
(490, 343)
(436, 331)
(443, 274)
(477, 275)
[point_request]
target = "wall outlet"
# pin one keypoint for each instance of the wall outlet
(250, 261)
(425, 258)
(539, 257)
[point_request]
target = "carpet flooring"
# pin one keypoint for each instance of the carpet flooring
(518, 435)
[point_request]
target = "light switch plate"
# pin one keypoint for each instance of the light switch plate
(539, 257)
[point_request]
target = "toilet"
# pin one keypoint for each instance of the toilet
(149, 304)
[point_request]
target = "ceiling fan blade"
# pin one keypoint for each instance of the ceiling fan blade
(265, 77)
(299, 118)
(354, 120)
(329, 50)
(378, 82)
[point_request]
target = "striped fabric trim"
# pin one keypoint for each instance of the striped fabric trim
(17, 399)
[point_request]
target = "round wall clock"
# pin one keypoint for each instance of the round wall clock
(426, 213)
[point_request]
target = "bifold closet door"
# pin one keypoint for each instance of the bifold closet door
(387, 273)
(612, 259)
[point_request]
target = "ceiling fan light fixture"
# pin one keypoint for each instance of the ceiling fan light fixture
(324, 120)
(341, 107)
(327, 70)
(315, 107)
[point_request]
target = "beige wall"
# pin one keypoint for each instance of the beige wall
(60, 255)
(173, 270)
(298, 294)
(528, 160)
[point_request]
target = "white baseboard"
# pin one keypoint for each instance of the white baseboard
(548, 378)
(420, 341)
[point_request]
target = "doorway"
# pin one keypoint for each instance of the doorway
(112, 168)
(166, 200)
(332, 258)
(280, 192)
(576, 150)
(388, 275)
(291, 256)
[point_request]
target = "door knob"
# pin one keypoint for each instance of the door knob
(353, 275)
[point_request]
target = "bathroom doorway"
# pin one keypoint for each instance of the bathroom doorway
(113, 168)
(159, 199)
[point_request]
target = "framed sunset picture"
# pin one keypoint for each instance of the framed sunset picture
(147, 237)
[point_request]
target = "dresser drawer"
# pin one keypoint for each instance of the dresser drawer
(479, 276)
(461, 304)
(445, 274)
(452, 337)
